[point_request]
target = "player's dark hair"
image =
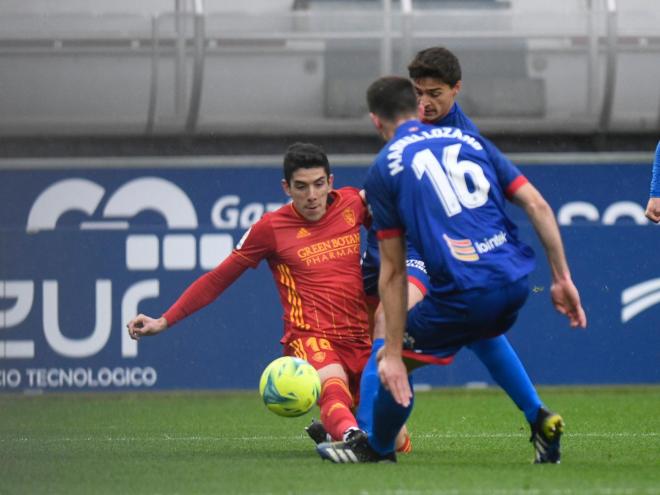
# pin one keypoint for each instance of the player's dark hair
(391, 97)
(304, 155)
(438, 63)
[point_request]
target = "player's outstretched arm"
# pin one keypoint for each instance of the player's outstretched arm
(200, 293)
(144, 326)
(565, 295)
(653, 210)
(393, 288)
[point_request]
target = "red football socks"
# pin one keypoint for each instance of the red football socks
(336, 402)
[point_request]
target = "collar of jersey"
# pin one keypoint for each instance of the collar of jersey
(333, 196)
(408, 126)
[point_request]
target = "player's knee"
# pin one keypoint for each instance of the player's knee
(333, 371)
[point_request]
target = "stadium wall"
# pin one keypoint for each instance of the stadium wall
(174, 67)
(88, 243)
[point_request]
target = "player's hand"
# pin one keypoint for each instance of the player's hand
(566, 299)
(143, 325)
(394, 376)
(653, 210)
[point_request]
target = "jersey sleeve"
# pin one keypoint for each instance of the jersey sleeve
(205, 289)
(256, 244)
(382, 205)
(509, 177)
(655, 177)
(365, 214)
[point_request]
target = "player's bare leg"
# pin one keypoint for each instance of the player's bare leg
(403, 443)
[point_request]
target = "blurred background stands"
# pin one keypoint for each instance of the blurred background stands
(193, 76)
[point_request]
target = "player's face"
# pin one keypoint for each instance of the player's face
(435, 97)
(309, 189)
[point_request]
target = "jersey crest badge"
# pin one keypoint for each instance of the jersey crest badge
(302, 232)
(349, 216)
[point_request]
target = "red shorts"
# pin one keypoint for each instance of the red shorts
(320, 352)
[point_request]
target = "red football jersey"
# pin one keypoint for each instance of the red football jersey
(315, 265)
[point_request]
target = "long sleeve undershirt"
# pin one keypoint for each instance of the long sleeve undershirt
(206, 289)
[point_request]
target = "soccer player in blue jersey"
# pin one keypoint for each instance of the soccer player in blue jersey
(653, 206)
(444, 190)
(437, 80)
(436, 76)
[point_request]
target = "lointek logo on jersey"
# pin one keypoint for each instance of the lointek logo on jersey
(144, 252)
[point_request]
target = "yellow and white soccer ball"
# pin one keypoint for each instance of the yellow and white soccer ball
(290, 386)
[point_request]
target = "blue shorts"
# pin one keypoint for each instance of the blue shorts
(371, 269)
(443, 323)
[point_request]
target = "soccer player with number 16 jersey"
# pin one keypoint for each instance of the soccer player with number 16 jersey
(444, 190)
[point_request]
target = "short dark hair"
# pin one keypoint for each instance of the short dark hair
(391, 97)
(438, 63)
(304, 155)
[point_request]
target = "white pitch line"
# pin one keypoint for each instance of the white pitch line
(174, 438)
(603, 490)
(515, 435)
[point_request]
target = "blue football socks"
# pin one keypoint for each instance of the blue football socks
(369, 384)
(388, 419)
(378, 414)
(496, 354)
(509, 373)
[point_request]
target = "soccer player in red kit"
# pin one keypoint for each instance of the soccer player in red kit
(312, 246)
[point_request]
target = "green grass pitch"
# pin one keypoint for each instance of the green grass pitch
(465, 442)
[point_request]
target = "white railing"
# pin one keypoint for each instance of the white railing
(193, 69)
